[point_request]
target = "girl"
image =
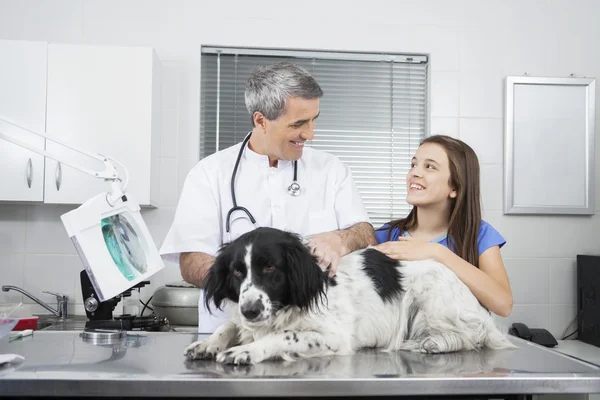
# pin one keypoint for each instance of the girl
(445, 222)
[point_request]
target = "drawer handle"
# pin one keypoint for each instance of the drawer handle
(29, 173)
(58, 176)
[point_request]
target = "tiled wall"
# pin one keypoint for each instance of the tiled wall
(473, 45)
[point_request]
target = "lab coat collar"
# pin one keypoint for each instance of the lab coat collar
(261, 159)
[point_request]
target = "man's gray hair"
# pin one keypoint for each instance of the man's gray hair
(270, 86)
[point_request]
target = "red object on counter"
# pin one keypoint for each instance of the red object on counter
(26, 323)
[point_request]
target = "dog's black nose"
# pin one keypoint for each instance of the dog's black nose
(253, 310)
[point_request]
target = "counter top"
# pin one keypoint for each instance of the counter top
(581, 350)
(152, 364)
(78, 322)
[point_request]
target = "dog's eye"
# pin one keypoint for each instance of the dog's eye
(268, 269)
(237, 272)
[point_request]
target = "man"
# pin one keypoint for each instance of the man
(325, 207)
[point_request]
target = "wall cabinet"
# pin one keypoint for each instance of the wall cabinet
(23, 100)
(105, 100)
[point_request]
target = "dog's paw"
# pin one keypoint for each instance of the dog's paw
(430, 346)
(202, 350)
(240, 355)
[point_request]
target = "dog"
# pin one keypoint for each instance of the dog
(285, 306)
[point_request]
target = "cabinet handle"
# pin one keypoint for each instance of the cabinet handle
(29, 173)
(58, 176)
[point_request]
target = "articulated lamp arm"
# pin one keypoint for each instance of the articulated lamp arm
(110, 173)
(112, 240)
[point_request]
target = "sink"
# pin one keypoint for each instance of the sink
(46, 321)
(50, 322)
(28, 311)
(42, 324)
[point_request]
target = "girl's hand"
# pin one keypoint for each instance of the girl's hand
(409, 249)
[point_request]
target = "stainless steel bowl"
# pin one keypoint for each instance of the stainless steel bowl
(178, 302)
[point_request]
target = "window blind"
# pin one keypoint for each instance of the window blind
(373, 113)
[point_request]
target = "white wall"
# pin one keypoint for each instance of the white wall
(473, 44)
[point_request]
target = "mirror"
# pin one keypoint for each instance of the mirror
(549, 145)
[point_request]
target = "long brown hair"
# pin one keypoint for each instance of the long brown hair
(465, 209)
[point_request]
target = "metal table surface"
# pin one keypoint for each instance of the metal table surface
(152, 364)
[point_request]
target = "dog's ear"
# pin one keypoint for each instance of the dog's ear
(306, 279)
(218, 281)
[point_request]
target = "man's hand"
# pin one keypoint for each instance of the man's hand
(330, 247)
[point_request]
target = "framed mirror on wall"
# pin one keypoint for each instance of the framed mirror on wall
(549, 145)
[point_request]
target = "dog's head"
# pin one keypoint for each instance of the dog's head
(264, 271)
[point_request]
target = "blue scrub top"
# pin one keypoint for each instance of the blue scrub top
(487, 237)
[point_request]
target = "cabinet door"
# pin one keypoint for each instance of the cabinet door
(99, 100)
(23, 101)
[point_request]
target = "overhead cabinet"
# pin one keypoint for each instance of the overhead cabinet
(101, 99)
(23, 68)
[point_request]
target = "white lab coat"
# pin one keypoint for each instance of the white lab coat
(329, 200)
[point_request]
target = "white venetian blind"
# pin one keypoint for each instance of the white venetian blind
(373, 113)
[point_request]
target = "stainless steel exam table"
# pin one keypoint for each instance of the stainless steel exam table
(152, 364)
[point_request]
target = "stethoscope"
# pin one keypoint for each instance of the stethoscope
(293, 189)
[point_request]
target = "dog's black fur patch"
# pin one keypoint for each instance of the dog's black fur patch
(384, 273)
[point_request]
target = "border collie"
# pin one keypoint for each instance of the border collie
(284, 306)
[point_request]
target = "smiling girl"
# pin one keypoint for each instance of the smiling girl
(445, 222)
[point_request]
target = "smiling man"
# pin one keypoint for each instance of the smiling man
(270, 179)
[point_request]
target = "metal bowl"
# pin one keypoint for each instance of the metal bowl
(178, 302)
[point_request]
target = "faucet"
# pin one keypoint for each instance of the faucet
(61, 305)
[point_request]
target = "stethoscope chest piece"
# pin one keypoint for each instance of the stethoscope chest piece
(294, 189)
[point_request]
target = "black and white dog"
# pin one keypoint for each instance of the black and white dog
(284, 306)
